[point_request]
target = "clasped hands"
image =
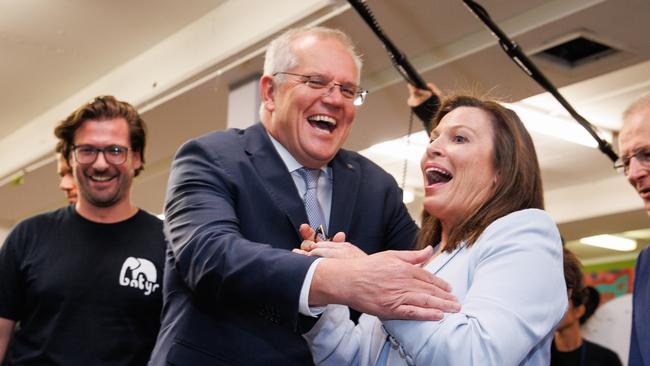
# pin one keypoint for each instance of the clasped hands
(390, 284)
(336, 247)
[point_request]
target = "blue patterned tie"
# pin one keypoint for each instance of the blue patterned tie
(312, 206)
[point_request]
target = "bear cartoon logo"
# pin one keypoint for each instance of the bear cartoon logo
(139, 273)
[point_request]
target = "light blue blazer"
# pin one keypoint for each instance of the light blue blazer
(510, 284)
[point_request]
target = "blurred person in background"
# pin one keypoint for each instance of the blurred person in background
(66, 179)
(569, 348)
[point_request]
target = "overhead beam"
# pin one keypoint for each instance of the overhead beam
(164, 69)
(481, 40)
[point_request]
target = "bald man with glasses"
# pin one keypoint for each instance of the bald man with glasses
(634, 148)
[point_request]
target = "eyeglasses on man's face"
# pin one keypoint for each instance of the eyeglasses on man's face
(622, 165)
(113, 154)
(319, 82)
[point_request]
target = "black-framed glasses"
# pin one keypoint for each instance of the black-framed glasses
(622, 165)
(318, 82)
(113, 154)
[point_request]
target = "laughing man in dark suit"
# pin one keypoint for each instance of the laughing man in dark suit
(234, 292)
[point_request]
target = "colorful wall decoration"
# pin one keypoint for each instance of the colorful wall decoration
(611, 279)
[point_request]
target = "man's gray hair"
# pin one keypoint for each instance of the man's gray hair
(279, 55)
(637, 106)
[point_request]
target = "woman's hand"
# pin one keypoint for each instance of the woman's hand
(337, 247)
(330, 249)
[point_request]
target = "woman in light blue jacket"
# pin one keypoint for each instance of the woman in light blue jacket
(493, 243)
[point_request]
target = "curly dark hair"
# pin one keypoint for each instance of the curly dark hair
(102, 108)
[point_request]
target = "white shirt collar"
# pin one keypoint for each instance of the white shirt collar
(288, 159)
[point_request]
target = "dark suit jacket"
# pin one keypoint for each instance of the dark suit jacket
(640, 340)
(232, 286)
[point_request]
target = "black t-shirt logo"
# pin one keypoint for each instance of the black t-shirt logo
(139, 273)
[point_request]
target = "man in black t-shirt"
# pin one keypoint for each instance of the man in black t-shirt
(84, 281)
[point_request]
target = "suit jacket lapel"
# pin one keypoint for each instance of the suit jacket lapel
(347, 174)
(274, 174)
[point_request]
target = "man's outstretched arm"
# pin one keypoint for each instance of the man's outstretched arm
(390, 285)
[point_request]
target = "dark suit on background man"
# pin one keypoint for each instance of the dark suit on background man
(640, 340)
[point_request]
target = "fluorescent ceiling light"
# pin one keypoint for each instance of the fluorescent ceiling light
(535, 119)
(560, 127)
(610, 242)
(411, 148)
(401, 157)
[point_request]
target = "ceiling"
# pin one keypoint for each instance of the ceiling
(176, 61)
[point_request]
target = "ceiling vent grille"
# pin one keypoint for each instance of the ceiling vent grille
(576, 51)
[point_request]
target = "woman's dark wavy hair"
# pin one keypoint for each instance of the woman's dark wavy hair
(518, 184)
(102, 108)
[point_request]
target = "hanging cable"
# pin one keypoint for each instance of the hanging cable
(405, 163)
(515, 52)
(397, 57)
